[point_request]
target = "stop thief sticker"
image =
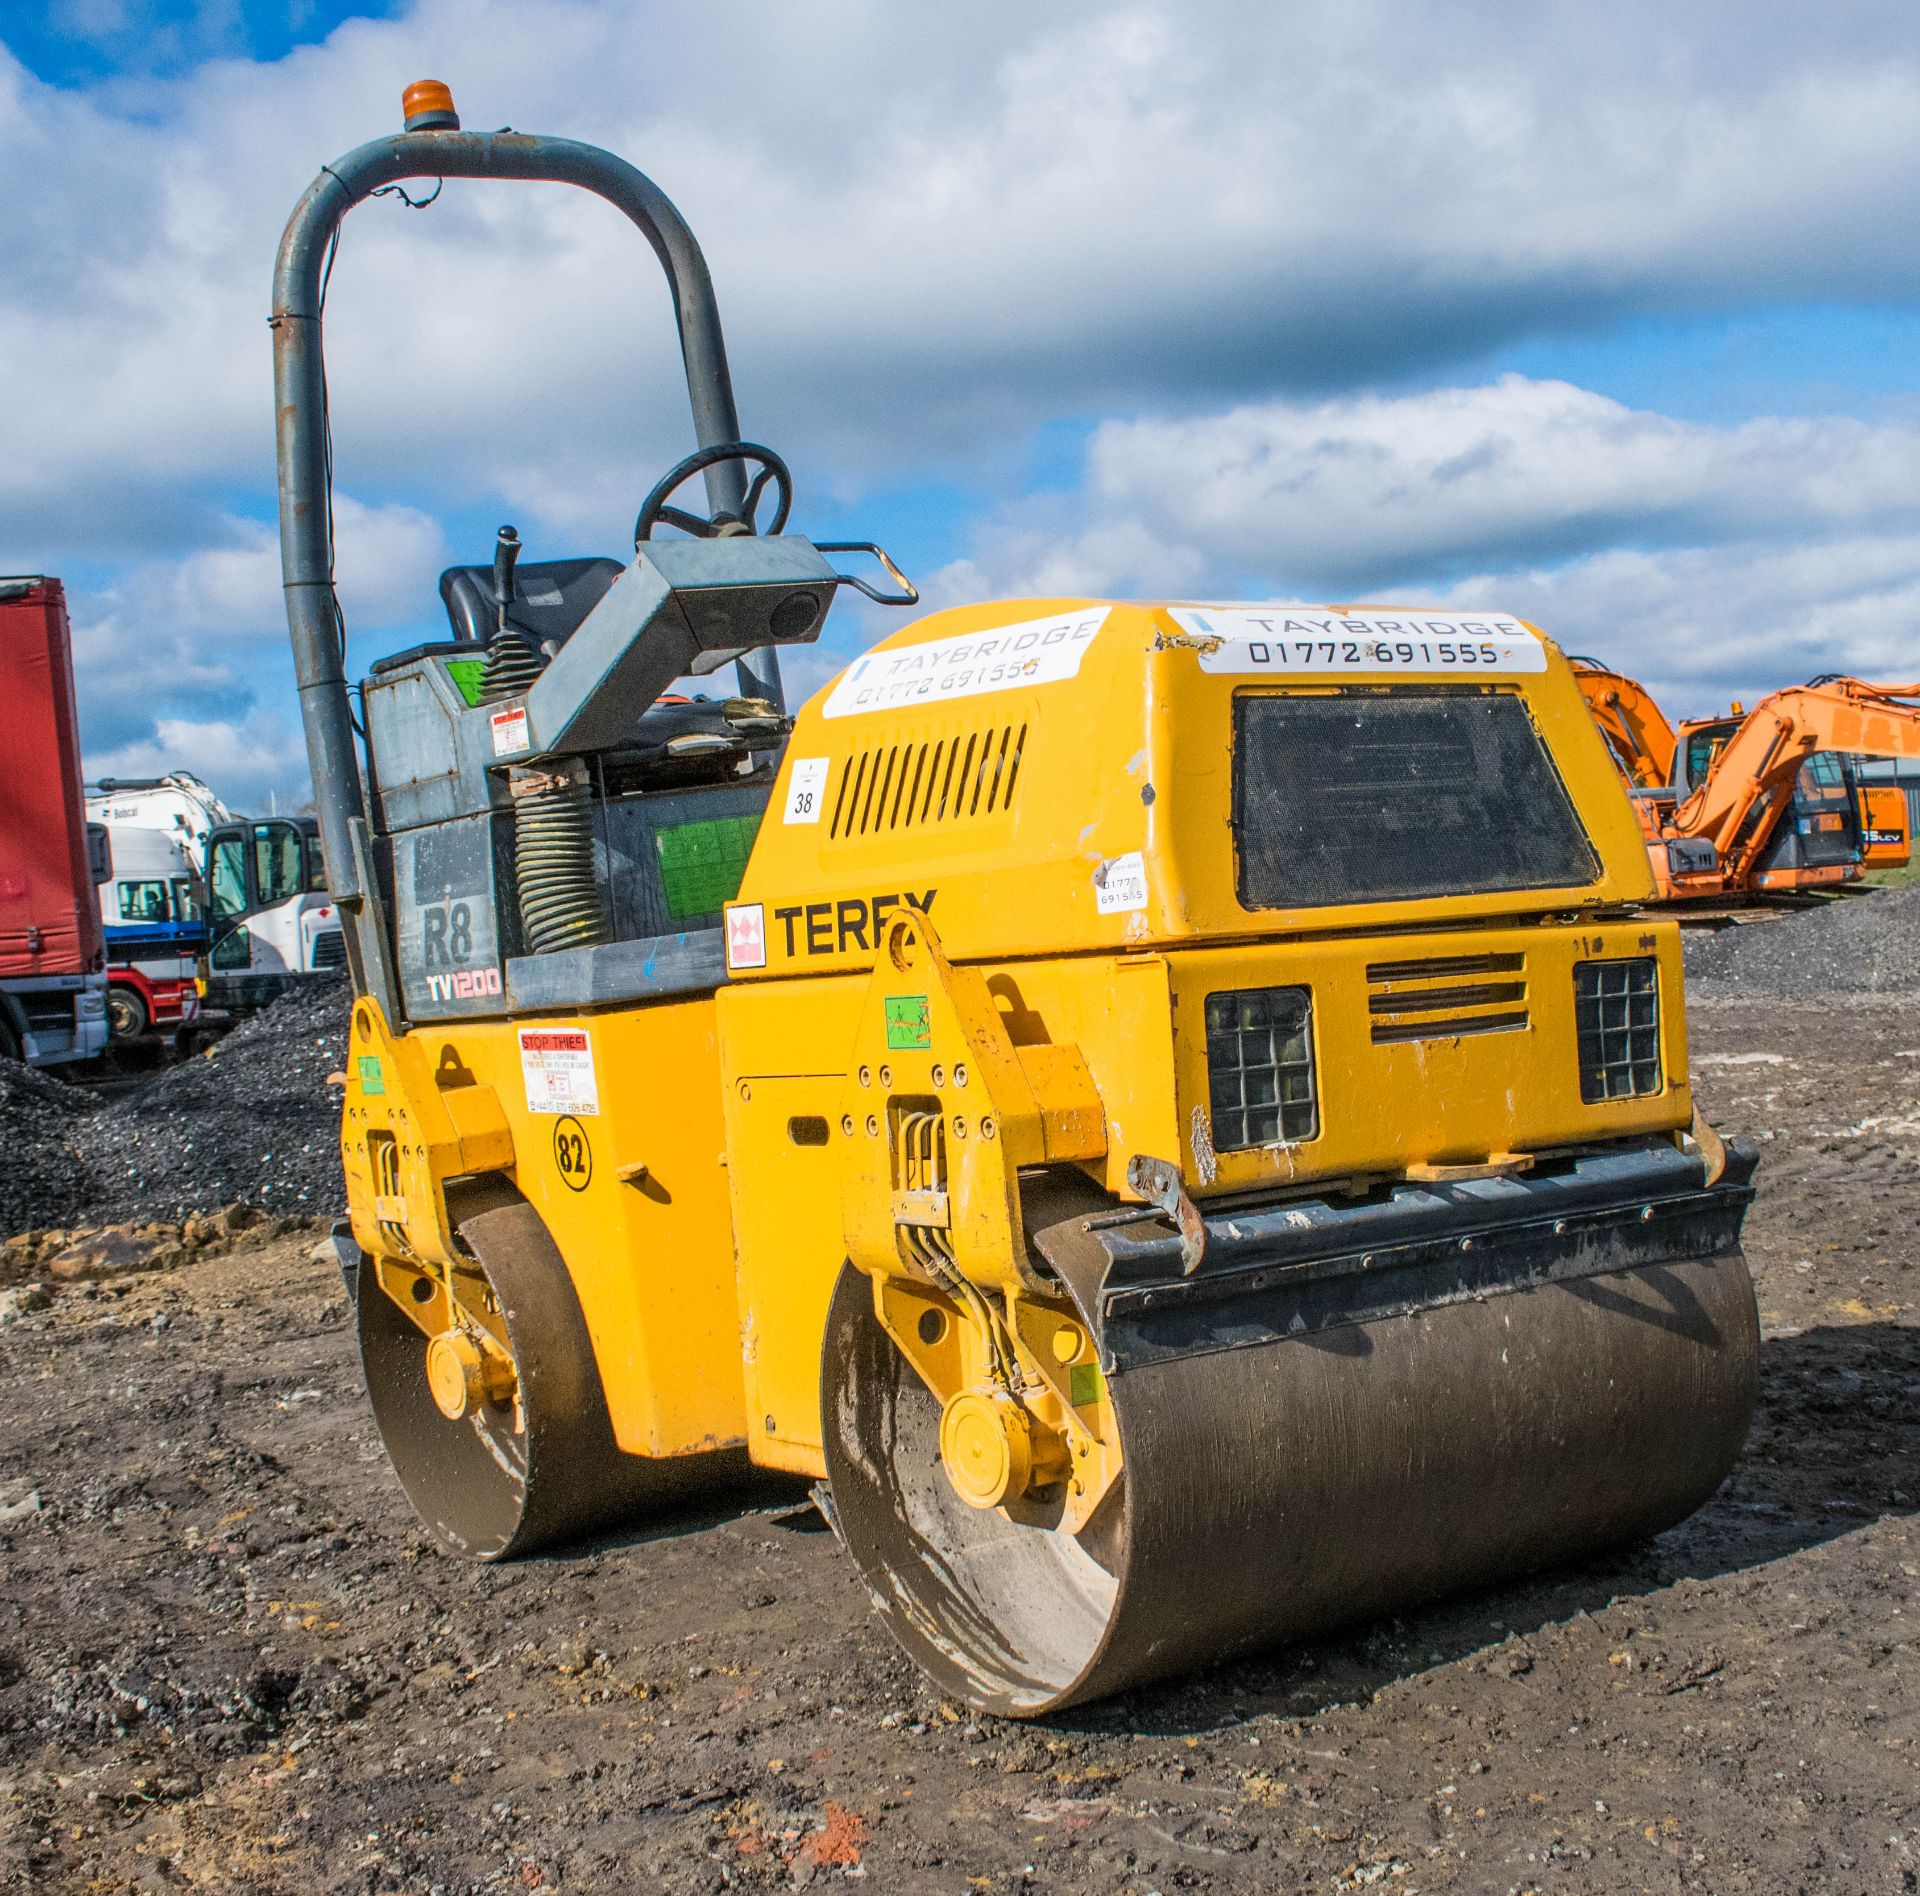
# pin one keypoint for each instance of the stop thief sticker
(509, 729)
(557, 1065)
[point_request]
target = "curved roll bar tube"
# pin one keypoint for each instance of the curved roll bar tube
(306, 542)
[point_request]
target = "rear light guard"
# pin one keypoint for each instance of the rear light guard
(1261, 1085)
(1616, 1006)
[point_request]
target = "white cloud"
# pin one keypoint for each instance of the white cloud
(190, 644)
(246, 763)
(1704, 625)
(930, 228)
(1707, 557)
(933, 230)
(1350, 495)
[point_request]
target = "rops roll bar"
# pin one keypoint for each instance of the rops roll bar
(434, 146)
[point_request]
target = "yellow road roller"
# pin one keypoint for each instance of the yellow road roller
(1163, 1110)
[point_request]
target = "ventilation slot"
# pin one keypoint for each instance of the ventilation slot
(938, 780)
(1440, 967)
(1446, 997)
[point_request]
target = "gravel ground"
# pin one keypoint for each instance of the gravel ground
(1863, 944)
(250, 1120)
(42, 1181)
(229, 1659)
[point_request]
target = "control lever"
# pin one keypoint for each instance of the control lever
(506, 555)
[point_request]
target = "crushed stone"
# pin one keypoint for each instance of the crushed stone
(1862, 945)
(43, 1180)
(251, 1121)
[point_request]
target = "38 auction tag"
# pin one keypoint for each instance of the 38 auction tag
(807, 788)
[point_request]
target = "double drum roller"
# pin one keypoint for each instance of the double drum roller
(1204, 1141)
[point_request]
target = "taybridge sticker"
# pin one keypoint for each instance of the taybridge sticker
(1006, 658)
(1120, 884)
(557, 1064)
(1287, 639)
(572, 1155)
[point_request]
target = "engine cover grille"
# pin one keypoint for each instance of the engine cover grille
(1617, 1011)
(1260, 1067)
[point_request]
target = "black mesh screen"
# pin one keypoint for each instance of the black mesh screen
(1260, 1066)
(1616, 1008)
(1380, 796)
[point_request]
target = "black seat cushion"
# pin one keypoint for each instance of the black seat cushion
(550, 597)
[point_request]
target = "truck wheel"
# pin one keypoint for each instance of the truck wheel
(126, 1015)
(9, 1040)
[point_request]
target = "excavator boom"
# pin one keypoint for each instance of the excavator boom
(1636, 729)
(1711, 827)
(1739, 802)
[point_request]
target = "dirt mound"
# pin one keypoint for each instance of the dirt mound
(251, 1121)
(42, 1179)
(1868, 944)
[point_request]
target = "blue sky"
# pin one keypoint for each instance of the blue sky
(1608, 318)
(90, 42)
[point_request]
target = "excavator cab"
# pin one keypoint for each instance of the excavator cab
(1818, 839)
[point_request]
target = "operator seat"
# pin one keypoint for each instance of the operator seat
(550, 598)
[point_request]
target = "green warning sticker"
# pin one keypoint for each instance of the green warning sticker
(1083, 1384)
(467, 675)
(701, 863)
(372, 1080)
(908, 1023)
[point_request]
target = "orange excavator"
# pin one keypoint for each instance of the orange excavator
(1636, 729)
(1887, 833)
(1761, 803)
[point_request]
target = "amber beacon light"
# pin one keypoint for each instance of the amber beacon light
(428, 106)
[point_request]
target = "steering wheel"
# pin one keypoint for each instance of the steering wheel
(654, 509)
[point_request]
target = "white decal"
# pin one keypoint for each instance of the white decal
(509, 731)
(464, 984)
(557, 1063)
(747, 936)
(806, 788)
(1005, 658)
(1120, 885)
(1283, 639)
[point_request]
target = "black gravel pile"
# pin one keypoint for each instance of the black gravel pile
(1866, 944)
(250, 1121)
(43, 1181)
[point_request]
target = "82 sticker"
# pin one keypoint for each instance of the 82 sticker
(572, 1154)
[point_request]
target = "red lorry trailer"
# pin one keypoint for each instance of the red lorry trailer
(53, 979)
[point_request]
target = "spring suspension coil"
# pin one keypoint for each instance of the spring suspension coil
(560, 897)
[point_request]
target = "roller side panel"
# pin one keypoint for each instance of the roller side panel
(484, 1488)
